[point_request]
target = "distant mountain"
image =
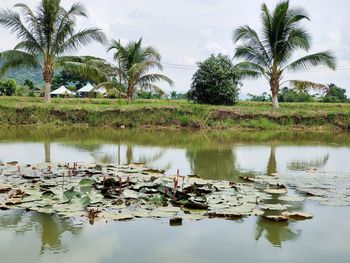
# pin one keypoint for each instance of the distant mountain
(21, 74)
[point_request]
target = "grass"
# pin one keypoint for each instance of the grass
(168, 113)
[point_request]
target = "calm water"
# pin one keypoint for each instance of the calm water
(31, 237)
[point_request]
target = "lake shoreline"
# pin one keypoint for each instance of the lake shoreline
(166, 114)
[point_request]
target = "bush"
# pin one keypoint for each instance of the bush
(8, 88)
(215, 82)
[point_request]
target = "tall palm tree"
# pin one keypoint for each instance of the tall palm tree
(134, 64)
(46, 35)
(269, 54)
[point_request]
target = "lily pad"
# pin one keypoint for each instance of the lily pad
(276, 191)
(298, 215)
(273, 207)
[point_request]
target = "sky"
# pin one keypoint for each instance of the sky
(188, 31)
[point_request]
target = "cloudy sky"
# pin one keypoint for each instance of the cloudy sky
(187, 31)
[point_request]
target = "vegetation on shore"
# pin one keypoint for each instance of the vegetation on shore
(167, 113)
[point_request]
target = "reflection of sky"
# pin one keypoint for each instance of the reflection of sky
(247, 157)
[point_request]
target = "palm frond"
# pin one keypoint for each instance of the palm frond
(82, 38)
(155, 77)
(322, 58)
(251, 39)
(15, 59)
(250, 54)
(12, 20)
(250, 70)
(302, 85)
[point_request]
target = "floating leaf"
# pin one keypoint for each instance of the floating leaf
(297, 215)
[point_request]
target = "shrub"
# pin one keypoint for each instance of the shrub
(8, 88)
(215, 82)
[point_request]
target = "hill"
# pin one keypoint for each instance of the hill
(21, 74)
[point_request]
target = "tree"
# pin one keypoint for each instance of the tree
(46, 35)
(173, 95)
(335, 94)
(269, 55)
(30, 84)
(8, 88)
(215, 82)
(134, 63)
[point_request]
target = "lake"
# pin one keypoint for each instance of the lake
(33, 237)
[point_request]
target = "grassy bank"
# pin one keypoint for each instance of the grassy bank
(162, 113)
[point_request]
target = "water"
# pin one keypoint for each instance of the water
(32, 237)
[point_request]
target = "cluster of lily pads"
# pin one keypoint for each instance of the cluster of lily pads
(329, 189)
(111, 192)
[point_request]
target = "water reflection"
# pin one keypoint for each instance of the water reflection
(49, 228)
(213, 155)
(213, 163)
(272, 164)
(276, 233)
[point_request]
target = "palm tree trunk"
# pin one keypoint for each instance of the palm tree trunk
(130, 93)
(275, 86)
(48, 92)
(275, 103)
(47, 147)
(48, 75)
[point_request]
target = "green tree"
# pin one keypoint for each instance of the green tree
(335, 94)
(215, 82)
(269, 55)
(8, 88)
(46, 35)
(173, 95)
(134, 63)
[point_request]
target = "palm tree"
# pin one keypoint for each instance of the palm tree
(134, 64)
(46, 36)
(269, 54)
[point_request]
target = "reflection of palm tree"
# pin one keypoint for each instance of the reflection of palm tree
(47, 147)
(129, 154)
(50, 227)
(276, 233)
(272, 164)
(119, 154)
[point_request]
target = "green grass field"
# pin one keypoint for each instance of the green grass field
(169, 113)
